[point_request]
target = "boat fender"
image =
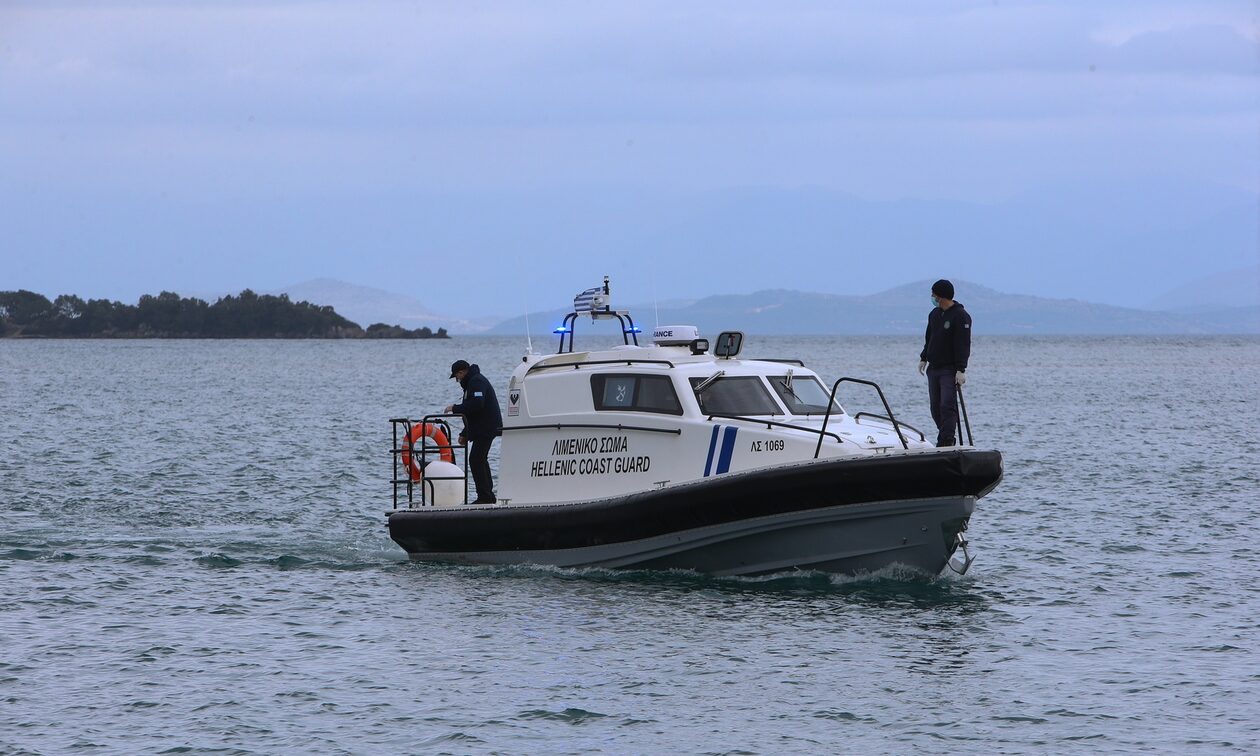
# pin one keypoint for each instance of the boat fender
(419, 432)
(443, 484)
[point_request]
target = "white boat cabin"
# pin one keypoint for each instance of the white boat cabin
(595, 424)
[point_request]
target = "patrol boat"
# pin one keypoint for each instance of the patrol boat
(679, 454)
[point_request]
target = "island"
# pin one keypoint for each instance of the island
(26, 314)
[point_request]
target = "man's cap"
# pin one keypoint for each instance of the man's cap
(943, 289)
(457, 366)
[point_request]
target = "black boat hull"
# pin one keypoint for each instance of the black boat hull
(837, 515)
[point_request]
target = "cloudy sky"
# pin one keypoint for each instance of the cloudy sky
(475, 154)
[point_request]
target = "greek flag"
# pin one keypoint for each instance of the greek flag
(591, 299)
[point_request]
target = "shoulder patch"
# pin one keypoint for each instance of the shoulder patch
(477, 393)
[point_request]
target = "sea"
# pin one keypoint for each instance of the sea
(194, 559)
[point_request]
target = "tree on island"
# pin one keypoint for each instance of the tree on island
(168, 315)
(382, 331)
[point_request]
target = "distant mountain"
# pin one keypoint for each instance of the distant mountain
(1115, 242)
(1214, 293)
(1099, 240)
(366, 305)
(1228, 320)
(904, 309)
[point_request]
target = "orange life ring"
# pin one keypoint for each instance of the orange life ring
(420, 431)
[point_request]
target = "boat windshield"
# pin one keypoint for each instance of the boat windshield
(803, 395)
(745, 395)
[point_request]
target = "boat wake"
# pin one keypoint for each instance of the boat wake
(894, 582)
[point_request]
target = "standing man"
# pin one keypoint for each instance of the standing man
(946, 347)
(482, 424)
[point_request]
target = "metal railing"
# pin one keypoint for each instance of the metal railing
(860, 415)
(831, 403)
(776, 424)
(424, 448)
(628, 333)
(604, 426)
(576, 365)
(962, 418)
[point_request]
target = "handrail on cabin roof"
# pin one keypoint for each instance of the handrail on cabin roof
(575, 365)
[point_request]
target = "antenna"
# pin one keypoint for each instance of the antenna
(529, 342)
(656, 308)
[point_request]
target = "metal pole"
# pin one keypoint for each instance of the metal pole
(831, 402)
(406, 426)
(962, 404)
(958, 413)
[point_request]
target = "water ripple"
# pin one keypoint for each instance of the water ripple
(216, 576)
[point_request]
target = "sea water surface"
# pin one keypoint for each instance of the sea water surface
(193, 558)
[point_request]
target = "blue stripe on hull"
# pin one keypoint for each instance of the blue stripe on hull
(708, 463)
(728, 448)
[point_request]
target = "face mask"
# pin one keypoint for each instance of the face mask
(935, 301)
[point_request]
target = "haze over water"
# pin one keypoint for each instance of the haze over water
(193, 557)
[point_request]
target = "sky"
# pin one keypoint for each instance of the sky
(486, 157)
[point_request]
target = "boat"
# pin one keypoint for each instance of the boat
(685, 454)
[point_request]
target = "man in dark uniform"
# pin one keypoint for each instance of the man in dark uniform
(946, 347)
(482, 424)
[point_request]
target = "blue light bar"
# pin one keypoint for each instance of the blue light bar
(561, 329)
(634, 329)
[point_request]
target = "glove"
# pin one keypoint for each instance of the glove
(922, 367)
(960, 378)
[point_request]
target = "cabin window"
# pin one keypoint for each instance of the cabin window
(635, 393)
(745, 395)
(804, 395)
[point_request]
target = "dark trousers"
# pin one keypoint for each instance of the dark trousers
(479, 466)
(943, 396)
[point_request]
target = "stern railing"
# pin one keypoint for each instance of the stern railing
(425, 448)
